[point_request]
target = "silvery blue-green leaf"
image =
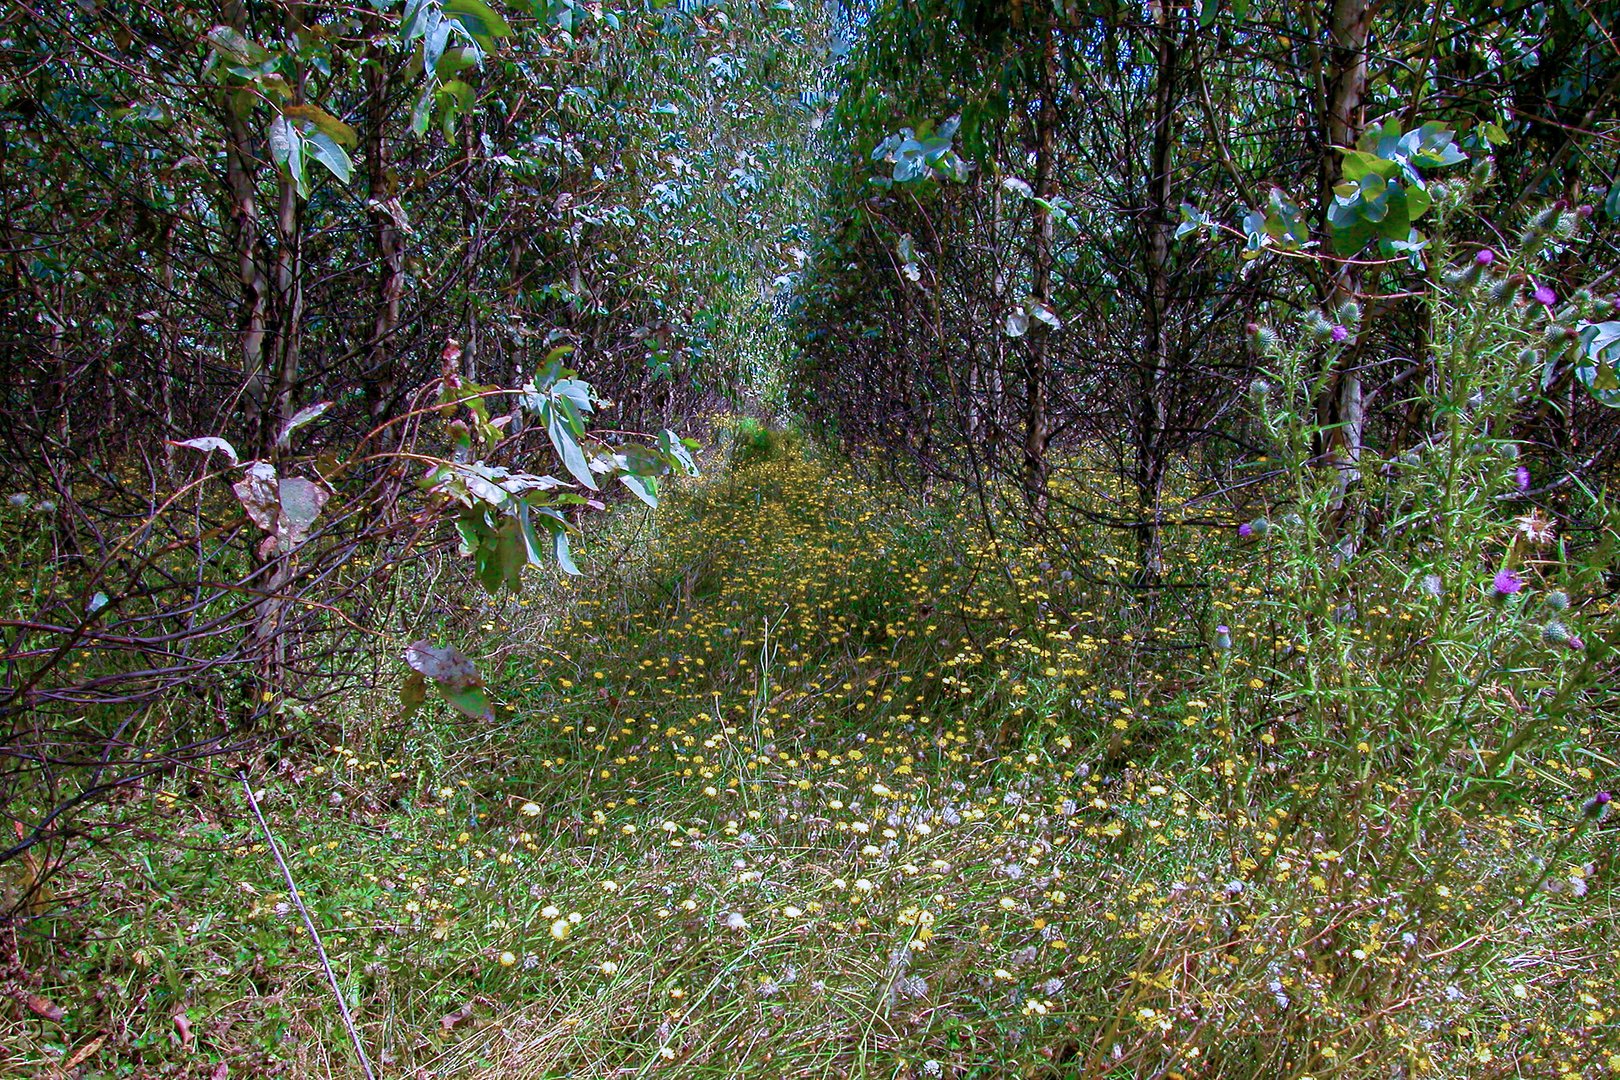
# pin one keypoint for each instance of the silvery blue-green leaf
(300, 504)
(565, 558)
(208, 444)
(414, 23)
(674, 446)
(434, 41)
(567, 447)
(577, 391)
(281, 138)
(644, 488)
(324, 149)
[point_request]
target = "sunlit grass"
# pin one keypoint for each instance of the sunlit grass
(814, 789)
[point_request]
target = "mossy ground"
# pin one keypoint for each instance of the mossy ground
(810, 787)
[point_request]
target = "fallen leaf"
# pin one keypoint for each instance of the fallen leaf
(83, 1054)
(451, 1021)
(47, 1009)
(182, 1024)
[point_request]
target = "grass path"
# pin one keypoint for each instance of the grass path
(811, 789)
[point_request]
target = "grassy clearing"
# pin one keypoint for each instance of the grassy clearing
(814, 789)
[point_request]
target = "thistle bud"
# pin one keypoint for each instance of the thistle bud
(1557, 600)
(1545, 219)
(1350, 313)
(1503, 291)
(1266, 342)
(1510, 450)
(1317, 324)
(1223, 638)
(1597, 807)
(1555, 633)
(1258, 389)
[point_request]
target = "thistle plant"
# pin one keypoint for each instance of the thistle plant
(1423, 631)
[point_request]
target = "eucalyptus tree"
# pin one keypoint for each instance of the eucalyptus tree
(289, 289)
(1060, 220)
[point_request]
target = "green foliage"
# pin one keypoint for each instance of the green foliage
(755, 443)
(1383, 191)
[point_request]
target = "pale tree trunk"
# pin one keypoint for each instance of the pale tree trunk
(1344, 403)
(289, 312)
(254, 314)
(1037, 421)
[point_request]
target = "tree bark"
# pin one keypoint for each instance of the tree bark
(1153, 406)
(380, 376)
(1037, 421)
(1343, 408)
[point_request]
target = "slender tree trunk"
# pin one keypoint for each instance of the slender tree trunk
(380, 375)
(289, 318)
(168, 347)
(254, 312)
(1037, 421)
(1153, 405)
(1344, 403)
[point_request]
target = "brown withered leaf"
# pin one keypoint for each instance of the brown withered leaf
(45, 1008)
(83, 1054)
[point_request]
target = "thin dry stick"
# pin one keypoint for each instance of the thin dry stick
(309, 924)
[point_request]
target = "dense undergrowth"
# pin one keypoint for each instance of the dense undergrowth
(806, 786)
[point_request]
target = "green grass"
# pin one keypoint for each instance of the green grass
(809, 788)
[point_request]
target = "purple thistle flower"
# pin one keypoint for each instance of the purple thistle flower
(1485, 257)
(1597, 807)
(1521, 478)
(1223, 637)
(1245, 530)
(1339, 333)
(1544, 295)
(1507, 582)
